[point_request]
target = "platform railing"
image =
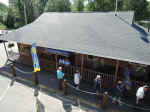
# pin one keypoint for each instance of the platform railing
(108, 79)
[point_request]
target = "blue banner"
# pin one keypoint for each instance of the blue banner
(58, 52)
(35, 58)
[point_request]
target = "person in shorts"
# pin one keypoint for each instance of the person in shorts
(60, 76)
(140, 93)
(98, 83)
(77, 78)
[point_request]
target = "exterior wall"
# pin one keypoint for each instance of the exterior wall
(25, 56)
(47, 60)
(97, 64)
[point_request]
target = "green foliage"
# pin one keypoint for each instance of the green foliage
(78, 5)
(10, 19)
(140, 8)
(3, 8)
(144, 24)
(14, 17)
(58, 6)
(50, 6)
(2, 27)
(38, 7)
(148, 8)
(3, 13)
(100, 5)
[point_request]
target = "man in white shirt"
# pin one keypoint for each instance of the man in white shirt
(140, 93)
(77, 78)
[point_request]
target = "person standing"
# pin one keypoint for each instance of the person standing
(77, 78)
(118, 92)
(140, 93)
(60, 76)
(98, 83)
(127, 85)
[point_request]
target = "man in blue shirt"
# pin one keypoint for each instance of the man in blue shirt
(118, 92)
(60, 76)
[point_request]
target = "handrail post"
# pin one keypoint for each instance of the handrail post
(64, 85)
(12, 70)
(35, 78)
(104, 100)
(56, 61)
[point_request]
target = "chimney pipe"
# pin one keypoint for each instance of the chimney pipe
(116, 7)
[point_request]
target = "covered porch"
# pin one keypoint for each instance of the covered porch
(89, 66)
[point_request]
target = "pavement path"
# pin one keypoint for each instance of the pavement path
(20, 98)
(16, 97)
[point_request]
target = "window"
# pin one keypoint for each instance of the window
(90, 57)
(24, 49)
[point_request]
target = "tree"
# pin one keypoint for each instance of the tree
(3, 13)
(140, 8)
(148, 8)
(100, 5)
(58, 6)
(109, 5)
(10, 19)
(50, 6)
(78, 5)
(21, 8)
(90, 6)
(62, 5)
(38, 7)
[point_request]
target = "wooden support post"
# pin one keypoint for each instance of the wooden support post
(82, 64)
(116, 71)
(64, 85)
(56, 61)
(76, 59)
(35, 78)
(13, 70)
(6, 50)
(104, 100)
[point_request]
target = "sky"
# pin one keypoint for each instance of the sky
(4, 1)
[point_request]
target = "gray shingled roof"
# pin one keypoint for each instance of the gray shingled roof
(98, 34)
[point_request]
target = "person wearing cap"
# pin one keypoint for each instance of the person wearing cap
(140, 93)
(98, 83)
(60, 76)
(77, 78)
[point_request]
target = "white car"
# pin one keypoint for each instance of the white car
(2, 32)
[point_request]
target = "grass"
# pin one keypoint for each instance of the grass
(2, 27)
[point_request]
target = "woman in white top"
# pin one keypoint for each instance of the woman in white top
(140, 93)
(77, 78)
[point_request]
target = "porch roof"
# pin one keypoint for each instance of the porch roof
(98, 34)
